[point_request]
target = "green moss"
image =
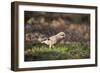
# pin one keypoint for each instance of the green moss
(59, 52)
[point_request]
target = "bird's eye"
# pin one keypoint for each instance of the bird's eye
(62, 35)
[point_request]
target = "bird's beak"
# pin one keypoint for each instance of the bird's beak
(64, 37)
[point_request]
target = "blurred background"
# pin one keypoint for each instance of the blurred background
(42, 25)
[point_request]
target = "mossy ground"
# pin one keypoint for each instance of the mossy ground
(59, 52)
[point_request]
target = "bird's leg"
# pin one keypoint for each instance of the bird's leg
(50, 45)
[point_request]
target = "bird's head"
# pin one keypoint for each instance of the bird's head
(61, 35)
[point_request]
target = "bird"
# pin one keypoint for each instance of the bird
(54, 39)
